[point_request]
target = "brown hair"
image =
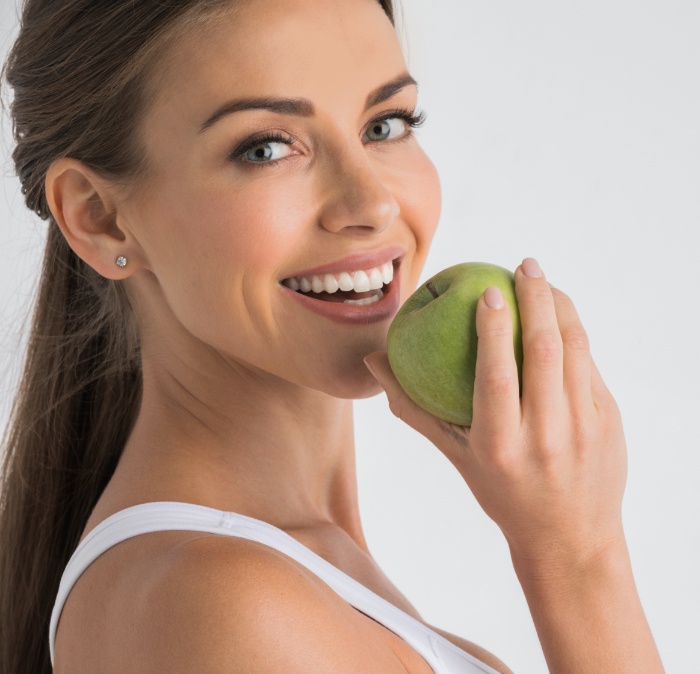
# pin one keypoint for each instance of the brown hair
(83, 74)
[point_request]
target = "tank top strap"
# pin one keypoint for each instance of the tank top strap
(442, 655)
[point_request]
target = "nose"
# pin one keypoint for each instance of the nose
(355, 200)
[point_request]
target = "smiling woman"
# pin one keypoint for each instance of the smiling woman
(237, 206)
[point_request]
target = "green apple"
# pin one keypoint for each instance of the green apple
(432, 342)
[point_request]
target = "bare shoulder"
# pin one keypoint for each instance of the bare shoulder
(221, 604)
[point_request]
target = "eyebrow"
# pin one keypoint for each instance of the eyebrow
(303, 107)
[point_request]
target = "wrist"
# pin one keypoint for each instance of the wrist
(558, 564)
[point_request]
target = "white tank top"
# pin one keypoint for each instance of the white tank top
(442, 655)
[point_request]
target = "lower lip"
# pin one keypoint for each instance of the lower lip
(354, 314)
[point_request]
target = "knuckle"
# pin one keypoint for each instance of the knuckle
(545, 347)
(582, 433)
(542, 294)
(495, 329)
(546, 444)
(548, 451)
(576, 340)
(560, 296)
(495, 381)
(503, 459)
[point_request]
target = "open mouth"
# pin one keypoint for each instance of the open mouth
(360, 288)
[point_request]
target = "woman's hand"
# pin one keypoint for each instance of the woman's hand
(549, 468)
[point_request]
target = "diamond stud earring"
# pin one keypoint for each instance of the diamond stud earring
(121, 261)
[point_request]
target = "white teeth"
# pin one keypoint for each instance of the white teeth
(376, 279)
(345, 281)
(360, 281)
(388, 272)
(378, 294)
(330, 283)
(317, 285)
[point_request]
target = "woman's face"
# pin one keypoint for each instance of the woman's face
(276, 188)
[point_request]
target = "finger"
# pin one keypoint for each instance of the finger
(577, 354)
(496, 402)
(543, 351)
(449, 438)
(601, 393)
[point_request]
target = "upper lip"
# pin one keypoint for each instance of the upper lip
(355, 262)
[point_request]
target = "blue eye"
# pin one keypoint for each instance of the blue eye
(394, 125)
(263, 149)
(266, 150)
(386, 129)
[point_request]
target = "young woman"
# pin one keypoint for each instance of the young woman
(179, 489)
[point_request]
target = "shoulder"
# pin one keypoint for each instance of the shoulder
(220, 604)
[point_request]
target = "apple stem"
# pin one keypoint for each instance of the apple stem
(429, 285)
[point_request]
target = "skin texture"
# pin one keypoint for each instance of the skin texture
(247, 402)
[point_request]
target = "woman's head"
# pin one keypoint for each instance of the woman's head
(212, 228)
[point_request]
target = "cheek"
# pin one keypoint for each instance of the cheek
(218, 246)
(252, 228)
(420, 198)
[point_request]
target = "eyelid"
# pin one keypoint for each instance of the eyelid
(259, 139)
(413, 118)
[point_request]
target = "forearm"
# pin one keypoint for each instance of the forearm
(590, 620)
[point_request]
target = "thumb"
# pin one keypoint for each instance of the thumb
(439, 432)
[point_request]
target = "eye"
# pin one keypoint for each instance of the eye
(386, 129)
(394, 125)
(266, 151)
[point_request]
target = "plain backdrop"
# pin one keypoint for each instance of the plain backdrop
(570, 132)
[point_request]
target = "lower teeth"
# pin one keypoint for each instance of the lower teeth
(378, 294)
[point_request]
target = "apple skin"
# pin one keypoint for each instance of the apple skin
(432, 342)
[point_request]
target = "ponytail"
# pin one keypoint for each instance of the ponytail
(76, 404)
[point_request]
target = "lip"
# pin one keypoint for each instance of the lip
(352, 314)
(355, 262)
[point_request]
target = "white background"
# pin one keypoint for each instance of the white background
(569, 132)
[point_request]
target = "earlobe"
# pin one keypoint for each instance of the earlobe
(84, 209)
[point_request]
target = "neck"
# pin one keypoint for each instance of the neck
(239, 439)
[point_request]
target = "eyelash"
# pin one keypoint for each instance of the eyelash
(412, 118)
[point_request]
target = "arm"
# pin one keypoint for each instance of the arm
(590, 619)
(549, 467)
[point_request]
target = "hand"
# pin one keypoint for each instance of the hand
(549, 468)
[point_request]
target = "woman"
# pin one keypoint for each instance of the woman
(186, 409)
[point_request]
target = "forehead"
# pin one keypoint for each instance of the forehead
(321, 49)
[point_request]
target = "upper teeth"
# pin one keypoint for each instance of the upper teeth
(359, 281)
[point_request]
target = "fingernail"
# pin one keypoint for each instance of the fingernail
(531, 268)
(493, 298)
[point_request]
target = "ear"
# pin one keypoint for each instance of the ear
(84, 208)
